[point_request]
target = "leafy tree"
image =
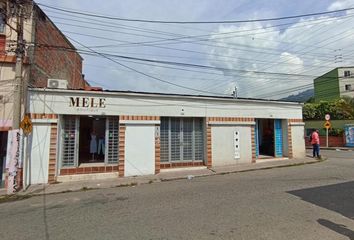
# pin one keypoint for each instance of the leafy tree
(341, 109)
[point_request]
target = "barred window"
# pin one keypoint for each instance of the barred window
(182, 139)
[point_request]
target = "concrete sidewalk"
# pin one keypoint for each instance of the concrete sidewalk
(165, 175)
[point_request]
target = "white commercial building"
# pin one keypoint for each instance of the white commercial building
(91, 134)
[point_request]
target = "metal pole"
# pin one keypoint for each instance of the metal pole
(326, 137)
(17, 104)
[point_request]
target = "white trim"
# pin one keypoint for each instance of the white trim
(232, 123)
(168, 96)
(140, 122)
(44, 120)
(297, 124)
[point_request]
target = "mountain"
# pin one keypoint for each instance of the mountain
(300, 97)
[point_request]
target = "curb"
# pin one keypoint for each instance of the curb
(23, 195)
(334, 148)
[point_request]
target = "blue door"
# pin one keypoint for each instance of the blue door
(278, 138)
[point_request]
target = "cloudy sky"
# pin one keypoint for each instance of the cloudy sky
(268, 59)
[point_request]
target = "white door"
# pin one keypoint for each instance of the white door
(39, 157)
(139, 150)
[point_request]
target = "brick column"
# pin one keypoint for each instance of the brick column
(253, 141)
(290, 142)
(121, 149)
(53, 153)
(209, 152)
(157, 152)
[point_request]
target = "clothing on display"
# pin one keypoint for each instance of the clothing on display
(101, 146)
(93, 144)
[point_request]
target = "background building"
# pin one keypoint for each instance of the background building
(42, 61)
(335, 84)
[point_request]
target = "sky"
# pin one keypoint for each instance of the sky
(268, 59)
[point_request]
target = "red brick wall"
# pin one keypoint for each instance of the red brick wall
(2, 44)
(49, 62)
(157, 153)
(122, 129)
(209, 153)
(253, 141)
(52, 153)
(333, 141)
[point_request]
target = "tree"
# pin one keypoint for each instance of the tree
(341, 109)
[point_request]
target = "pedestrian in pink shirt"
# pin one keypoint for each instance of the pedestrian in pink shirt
(315, 141)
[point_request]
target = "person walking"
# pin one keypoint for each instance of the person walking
(315, 141)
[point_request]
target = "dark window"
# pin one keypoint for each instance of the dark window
(348, 87)
(346, 73)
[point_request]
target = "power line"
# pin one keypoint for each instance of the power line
(179, 63)
(145, 74)
(196, 22)
(198, 38)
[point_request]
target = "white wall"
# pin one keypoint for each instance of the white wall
(139, 150)
(346, 80)
(284, 125)
(58, 102)
(39, 153)
(222, 140)
(298, 141)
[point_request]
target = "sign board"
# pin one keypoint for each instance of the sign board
(349, 135)
(237, 144)
(327, 117)
(327, 125)
(26, 125)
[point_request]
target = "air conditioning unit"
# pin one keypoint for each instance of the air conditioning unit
(57, 83)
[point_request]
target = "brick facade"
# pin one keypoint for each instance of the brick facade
(180, 164)
(53, 153)
(333, 141)
(208, 146)
(122, 129)
(230, 119)
(253, 142)
(89, 170)
(157, 153)
(139, 118)
(2, 44)
(56, 61)
(290, 142)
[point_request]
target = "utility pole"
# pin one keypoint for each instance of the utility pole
(235, 93)
(15, 134)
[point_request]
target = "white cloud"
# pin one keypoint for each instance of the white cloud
(341, 4)
(306, 48)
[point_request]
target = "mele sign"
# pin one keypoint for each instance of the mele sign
(87, 102)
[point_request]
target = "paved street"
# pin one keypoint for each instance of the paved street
(305, 202)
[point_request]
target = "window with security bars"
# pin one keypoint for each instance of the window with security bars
(182, 139)
(69, 141)
(112, 139)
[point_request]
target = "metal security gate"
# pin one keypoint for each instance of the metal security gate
(182, 139)
(70, 134)
(69, 141)
(112, 136)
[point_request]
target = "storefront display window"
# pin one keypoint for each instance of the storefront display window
(89, 139)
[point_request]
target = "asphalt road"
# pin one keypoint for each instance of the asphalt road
(304, 202)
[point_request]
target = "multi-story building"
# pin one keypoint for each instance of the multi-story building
(44, 59)
(334, 84)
